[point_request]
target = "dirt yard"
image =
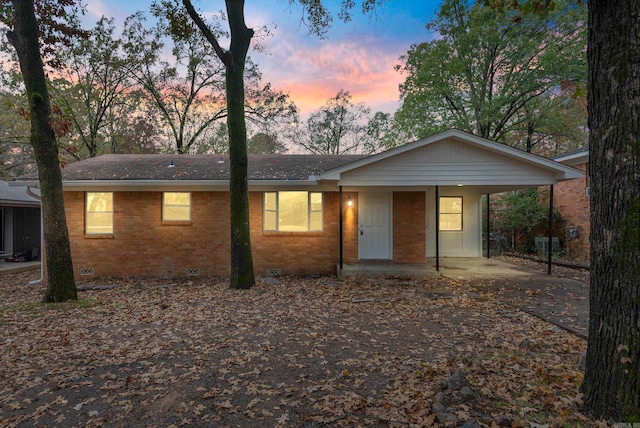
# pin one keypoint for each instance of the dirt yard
(302, 352)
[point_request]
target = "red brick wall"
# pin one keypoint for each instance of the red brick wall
(142, 245)
(295, 252)
(409, 230)
(571, 201)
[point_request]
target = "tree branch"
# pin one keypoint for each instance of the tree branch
(224, 55)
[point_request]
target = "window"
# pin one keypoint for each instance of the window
(293, 211)
(176, 206)
(99, 213)
(451, 213)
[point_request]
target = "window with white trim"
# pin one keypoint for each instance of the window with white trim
(292, 211)
(98, 218)
(450, 213)
(176, 206)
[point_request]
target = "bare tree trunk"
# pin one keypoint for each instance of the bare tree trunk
(612, 380)
(24, 38)
(241, 258)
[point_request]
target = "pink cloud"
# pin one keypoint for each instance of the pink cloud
(314, 72)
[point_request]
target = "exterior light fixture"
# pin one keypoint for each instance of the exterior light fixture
(460, 185)
(349, 202)
(171, 165)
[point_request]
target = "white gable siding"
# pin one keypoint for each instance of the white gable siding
(447, 162)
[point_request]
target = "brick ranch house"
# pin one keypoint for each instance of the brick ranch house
(571, 198)
(168, 215)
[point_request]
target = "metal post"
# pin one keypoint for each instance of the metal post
(340, 210)
(437, 230)
(550, 252)
(488, 229)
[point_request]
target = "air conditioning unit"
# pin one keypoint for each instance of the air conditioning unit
(542, 245)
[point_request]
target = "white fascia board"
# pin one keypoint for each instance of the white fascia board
(564, 172)
(32, 183)
(144, 185)
(574, 159)
(183, 185)
(12, 203)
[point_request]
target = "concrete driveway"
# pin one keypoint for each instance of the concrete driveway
(564, 302)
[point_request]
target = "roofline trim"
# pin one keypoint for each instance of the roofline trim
(573, 159)
(539, 161)
(169, 184)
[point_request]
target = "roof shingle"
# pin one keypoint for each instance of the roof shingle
(201, 167)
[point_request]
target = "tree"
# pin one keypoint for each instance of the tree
(234, 61)
(488, 65)
(552, 124)
(263, 143)
(95, 90)
(382, 133)
(16, 153)
(334, 129)
(24, 38)
(612, 378)
(188, 92)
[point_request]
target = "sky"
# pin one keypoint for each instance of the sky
(358, 56)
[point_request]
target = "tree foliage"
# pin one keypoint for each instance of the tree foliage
(188, 90)
(334, 129)
(342, 126)
(95, 89)
(494, 71)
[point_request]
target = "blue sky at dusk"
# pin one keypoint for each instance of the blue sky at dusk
(358, 56)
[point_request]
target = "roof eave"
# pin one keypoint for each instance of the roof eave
(201, 185)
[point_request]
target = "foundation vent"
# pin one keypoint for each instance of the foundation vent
(273, 272)
(86, 271)
(193, 272)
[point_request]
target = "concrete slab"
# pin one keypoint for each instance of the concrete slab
(15, 267)
(563, 302)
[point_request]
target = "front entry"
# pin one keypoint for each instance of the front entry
(374, 232)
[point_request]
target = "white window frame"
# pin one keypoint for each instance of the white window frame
(310, 211)
(87, 212)
(461, 213)
(164, 204)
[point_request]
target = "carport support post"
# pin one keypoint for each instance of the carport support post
(488, 229)
(437, 230)
(550, 247)
(340, 210)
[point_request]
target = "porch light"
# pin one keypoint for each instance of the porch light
(349, 202)
(171, 164)
(460, 185)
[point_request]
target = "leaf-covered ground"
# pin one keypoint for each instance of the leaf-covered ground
(302, 352)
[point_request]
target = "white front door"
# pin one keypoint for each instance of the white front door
(374, 229)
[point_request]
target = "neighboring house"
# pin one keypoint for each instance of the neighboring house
(168, 215)
(571, 198)
(20, 217)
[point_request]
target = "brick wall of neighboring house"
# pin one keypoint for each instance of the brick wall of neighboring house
(409, 227)
(143, 245)
(571, 201)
